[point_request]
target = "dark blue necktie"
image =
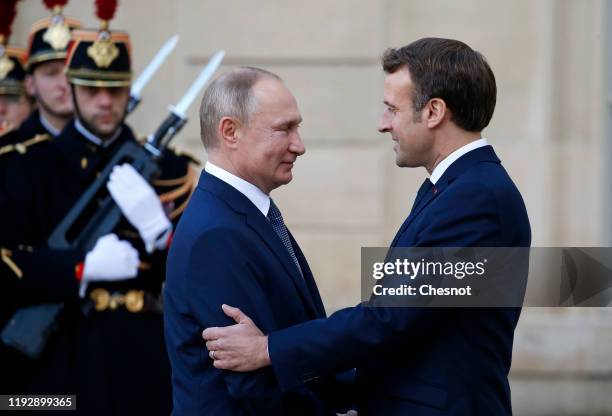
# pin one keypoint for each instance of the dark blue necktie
(423, 190)
(278, 225)
(425, 187)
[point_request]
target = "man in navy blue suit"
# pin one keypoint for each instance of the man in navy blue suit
(231, 245)
(439, 95)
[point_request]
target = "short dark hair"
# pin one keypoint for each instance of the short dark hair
(452, 71)
(229, 95)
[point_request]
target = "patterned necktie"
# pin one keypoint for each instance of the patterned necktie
(278, 225)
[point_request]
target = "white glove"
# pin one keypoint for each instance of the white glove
(110, 260)
(140, 205)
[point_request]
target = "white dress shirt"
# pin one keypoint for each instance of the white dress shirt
(253, 193)
(47, 125)
(450, 159)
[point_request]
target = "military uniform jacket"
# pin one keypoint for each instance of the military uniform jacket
(32, 126)
(58, 173)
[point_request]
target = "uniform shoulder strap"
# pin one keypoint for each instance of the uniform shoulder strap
(22, 147)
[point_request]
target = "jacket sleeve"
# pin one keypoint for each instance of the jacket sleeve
(38, 275)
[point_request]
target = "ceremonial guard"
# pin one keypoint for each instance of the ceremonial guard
(46, 80)
(110, 338)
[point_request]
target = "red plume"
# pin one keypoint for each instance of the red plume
(105, 9)
(8, 10)
(52, 3)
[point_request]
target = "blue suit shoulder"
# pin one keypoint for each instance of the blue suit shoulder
(478, 204)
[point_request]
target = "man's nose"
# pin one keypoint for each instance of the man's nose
(297, 145)
(63, 84)
(104, 97)
(384, 125)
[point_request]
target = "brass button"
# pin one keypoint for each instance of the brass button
(134, 300)
(84, 163)
(101, 299)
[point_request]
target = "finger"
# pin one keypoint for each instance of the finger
(132, 173)
(116, 186)
(123, 245)
(214, 345)
(118, 172)
(222, 355)
(123, 174)
(111, 185)
(109, 238)
(224, 364)
(234, 313)
(211, 333)
(128, 168)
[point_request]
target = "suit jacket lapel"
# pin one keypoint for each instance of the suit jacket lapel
(426, 200)
(482, 154)
(423, 190)
(313, 292)
(260, 224)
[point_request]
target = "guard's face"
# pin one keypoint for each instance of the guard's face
(49, 85)
(270, 144)
(102, 108)
(14, 109)
(409, 132)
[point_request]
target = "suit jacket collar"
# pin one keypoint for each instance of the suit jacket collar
(252, 192)
(465, 162)
(231, 196)
(460, 166)
(260, 224)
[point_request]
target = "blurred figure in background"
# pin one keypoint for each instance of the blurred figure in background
(46, 81)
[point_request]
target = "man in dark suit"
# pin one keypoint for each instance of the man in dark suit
(439, 95)
(231, 245)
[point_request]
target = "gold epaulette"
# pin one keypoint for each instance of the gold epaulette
(184, 186)
(22, 147)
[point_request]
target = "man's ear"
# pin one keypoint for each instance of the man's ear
(228, 132)
(29, 84)
(436, 111)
